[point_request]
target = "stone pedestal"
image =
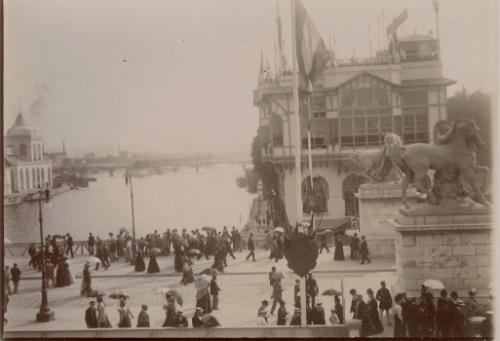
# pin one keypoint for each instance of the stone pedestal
(378, 203)
(452, 245)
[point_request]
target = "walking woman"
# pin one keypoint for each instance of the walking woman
(397, 314)
(339, 248)
(153, 264)
(373, 310)
(125, 316)
(102, 316)
(140, 266)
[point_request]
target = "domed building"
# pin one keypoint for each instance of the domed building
(24, 159)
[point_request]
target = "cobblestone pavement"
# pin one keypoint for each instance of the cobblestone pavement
(244, 286)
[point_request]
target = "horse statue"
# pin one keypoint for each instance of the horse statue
(376, 164)
(452, 157)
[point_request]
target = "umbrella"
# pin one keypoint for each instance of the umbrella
(118, 294)
(7, 241)
(194, 252)
(209, 272)
(279, 229)
(93, 260)
(123, 230)
(208, 228)
(154, 251)
(277, 275)
(202, 281)
(57, 236)
(97, 293)
(433, 284)
(331, 292)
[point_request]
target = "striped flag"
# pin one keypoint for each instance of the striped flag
(311, 51)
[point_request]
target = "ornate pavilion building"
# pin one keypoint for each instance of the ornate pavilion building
(400, 90)
(24, 165)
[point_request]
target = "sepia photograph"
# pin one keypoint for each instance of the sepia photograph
(249, 168)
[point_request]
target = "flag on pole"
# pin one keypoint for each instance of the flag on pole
(401, 18)
(310, 49)
(435, 4)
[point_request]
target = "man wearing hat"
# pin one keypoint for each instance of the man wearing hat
(180, 320)
(472, 306)
(197, 320)
(91, 316)
(210, 321)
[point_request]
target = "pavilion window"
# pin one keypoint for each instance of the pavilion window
(27, 173)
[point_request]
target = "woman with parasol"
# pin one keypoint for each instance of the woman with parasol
(125, 315)
(153, 264)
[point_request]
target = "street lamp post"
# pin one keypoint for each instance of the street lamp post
(45, 314)
(128, 179)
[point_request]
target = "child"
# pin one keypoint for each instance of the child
(143, 318)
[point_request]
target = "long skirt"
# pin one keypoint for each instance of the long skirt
(153, 265)
(140, 265)
(339, 252)
(86, 289)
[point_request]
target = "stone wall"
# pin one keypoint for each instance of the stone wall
(457, 250)
(377, 204)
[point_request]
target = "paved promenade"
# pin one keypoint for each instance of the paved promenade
(244, 284)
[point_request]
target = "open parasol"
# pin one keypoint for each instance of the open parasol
(154, 251)
(174, 293)
(277, 275)
(118, 294)
(123, 230)
(209, 272)
(434, 284)
(97, 293)
(194, 252)
(208, 228)
(279, 229)
(202, 281)
(331, 292)
(93, 260)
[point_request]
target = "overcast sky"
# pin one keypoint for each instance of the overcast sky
(177, 75)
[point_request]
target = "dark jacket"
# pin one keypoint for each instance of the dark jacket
(91, 318)
(180, 321)
(16, 274)
(251, 244)
(363, 248)
(196, 321)
(214, 288)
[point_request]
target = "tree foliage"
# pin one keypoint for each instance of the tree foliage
(477, 106)
(264, 170)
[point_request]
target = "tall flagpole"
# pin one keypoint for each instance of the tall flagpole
(298, 173)
(309, 151)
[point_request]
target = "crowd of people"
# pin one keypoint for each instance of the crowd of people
(417, 317)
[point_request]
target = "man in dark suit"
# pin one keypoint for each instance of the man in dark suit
(69, 243)
(363, 250)
(91, 316)
(180, 320)
(251, 247)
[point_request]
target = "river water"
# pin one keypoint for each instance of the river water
(184, 199)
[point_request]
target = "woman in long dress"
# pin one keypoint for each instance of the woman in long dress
(86, 289)
(339, 248)
(363, 314)
(102, 316)
(140, 266)
(339, 310)
(373, 311)
(170, 312)
(71, 278)
(153, 264)
(61, 277)
(125, 315)
(397, 314)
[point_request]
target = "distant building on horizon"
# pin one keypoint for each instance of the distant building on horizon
(25, 166)
(400, 90)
